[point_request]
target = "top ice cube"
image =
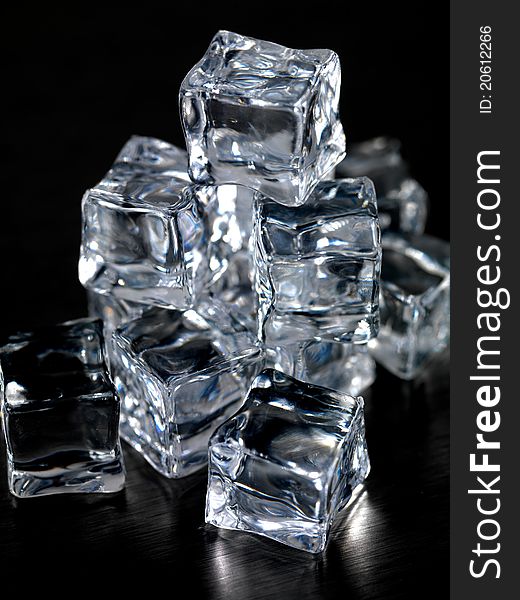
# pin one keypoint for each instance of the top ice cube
(263, 116)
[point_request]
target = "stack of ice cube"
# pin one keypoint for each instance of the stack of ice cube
(239, 287)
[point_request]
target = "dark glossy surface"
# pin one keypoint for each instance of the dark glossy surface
(77, 86)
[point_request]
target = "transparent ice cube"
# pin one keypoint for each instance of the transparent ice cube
(317, 266)
(401, 201)
(143, 237)
(287, 462)
(414, 304)
(347, 368)
(60, 411)
(179, 375)
(262, 115)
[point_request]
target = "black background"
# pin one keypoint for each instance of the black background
(76, 86)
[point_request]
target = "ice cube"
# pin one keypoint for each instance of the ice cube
(287, 462)
(180, 374)
(61, 413)
(414, 303)
(317, 266)
(262, 115)
(144, 238)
